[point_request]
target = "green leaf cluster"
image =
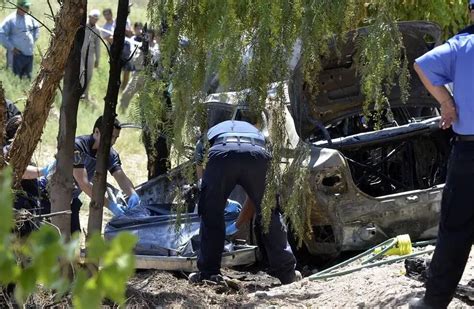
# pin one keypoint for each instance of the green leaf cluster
(116, 266)
(44, 258)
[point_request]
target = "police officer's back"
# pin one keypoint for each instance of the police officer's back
(237, 156)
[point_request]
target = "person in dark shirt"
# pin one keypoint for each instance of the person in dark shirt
(10, 110)
(85, 150)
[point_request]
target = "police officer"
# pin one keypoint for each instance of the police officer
(237, 156)
(452, 62)
(85, 150)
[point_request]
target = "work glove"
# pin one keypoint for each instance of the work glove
(231, 229)
(133, 201)
(115, 208)
(48, 169)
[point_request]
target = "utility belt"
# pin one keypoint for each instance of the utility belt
(239, 140)
(464, 138)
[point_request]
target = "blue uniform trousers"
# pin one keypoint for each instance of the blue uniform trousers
(229, 165)
(75, 208)
(456, 227)
(22, 65)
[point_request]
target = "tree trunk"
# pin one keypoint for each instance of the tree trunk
(2, 124)
(157, 151)
(100, 177)
(62, 180)
(43, 90)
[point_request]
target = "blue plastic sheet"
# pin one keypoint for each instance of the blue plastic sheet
(158, 232)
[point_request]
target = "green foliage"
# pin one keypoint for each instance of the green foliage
(297, 197)
(380, 67)
(451, 15)
(8, 267)
(43, 258)
(117, 265)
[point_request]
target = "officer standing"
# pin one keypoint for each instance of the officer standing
(452, 62)
(237, 156)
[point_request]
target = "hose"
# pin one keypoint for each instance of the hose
(400, 245)
(424, 243)
(318, 276)
(357, 257)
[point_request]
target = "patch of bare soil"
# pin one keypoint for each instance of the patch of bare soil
(149, 289)
(380, 287)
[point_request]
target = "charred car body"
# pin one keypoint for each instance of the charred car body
(368, 184)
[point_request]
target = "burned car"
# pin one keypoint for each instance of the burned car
(368, 184)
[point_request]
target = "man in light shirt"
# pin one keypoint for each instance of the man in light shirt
(90, 54)
(18, 34)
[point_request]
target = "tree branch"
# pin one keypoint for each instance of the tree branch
(100, 176)
(2, 123)
(51, 10)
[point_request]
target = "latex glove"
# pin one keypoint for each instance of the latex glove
(47, 169)
(233, 206)
(115, 209)
(133, 201)
(231, 229)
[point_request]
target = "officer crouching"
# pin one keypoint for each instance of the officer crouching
(238, 156)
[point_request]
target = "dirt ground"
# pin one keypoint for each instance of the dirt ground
(379, 287)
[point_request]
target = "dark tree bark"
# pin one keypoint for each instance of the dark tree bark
(157, 151)
(43, 90)
(62, 180)
(100, 177)
(2, 124)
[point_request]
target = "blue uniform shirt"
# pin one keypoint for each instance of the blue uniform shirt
(454, 62)
(85, 157)
(235, 128)
(20, 32)
(227, 128)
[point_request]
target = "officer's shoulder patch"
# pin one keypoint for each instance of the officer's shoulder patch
(77, 157)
